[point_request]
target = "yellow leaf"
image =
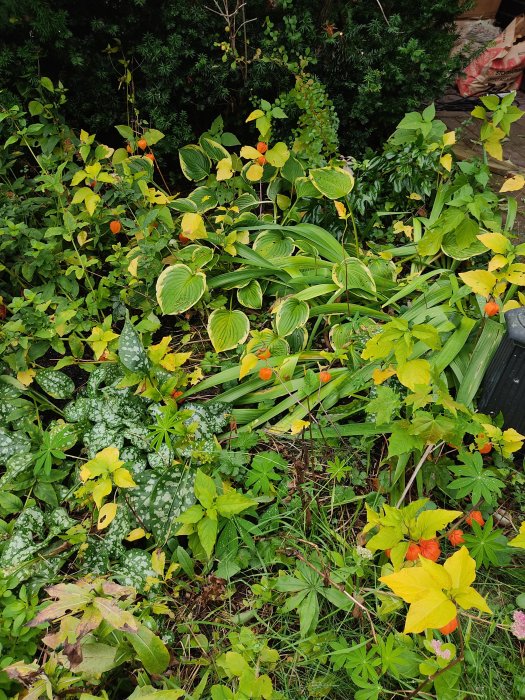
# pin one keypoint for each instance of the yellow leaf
(158, 561)
(26, 376)
(381, 375)
(497, 262)
(298, 426)
(449, 139)
(196, 376)
(416, 196)
(519, 540)
(106, 515)
(496, 242)
(254, 172)
(82, 238)
(431, 612)
(446, 161)
(511, 305)
(254, 115)
(133, 266)
(414, 373)
(516, 274)
(137, 534)
(224, 169)
(434, 590)
(193, 226)
(411, 584)
(173, 360)
(248, 362)
(400, 227)
(461, 568)
(250, 153)
(123, 479)
(341, 209)
(513, 184)
(480, 281)
(494, 148)
(101, 490)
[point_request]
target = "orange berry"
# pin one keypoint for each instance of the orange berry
(387, 552)
(265, 373)
(475, 515)
(115, 226)
(261, 160)
(262, 147)
(150, 156)
(413, 552)
(142, 144)
(486, 448)
(491, 308)
(455, 537)
(184, 239)
(129, 149)
(430, 549)
(324, 377)
(264, 354)
(450, 626)
(175, 394)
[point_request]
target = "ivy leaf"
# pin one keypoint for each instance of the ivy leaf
(474, 480)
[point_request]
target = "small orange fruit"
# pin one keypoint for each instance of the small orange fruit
(413, 552)
(455, 537)
(115, 226)
(430, 549)
(129, 149)
(491, 308)
(265, 373)
(184, 239)
(150, 156)
(175, 394)
(324, 377)
(261, 160)
(486, 448)
(264, 354)
(387, 552)
(262, 147)
(142, 144)
(475, 515)
(450, 626)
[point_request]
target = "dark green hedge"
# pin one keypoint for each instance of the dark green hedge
(377, 59)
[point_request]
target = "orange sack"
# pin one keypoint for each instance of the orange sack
(500, 67)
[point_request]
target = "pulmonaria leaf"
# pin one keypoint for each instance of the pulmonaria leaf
(131, 351)
(55, 383)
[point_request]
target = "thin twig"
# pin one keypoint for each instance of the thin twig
(383, 12)
(422, 461)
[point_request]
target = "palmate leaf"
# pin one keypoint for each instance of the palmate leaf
(474, 480)
(487, 546)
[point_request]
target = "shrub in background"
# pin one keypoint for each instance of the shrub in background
(181, 64)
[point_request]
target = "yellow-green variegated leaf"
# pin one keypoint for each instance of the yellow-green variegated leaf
(290, 313)
(334, 183)
(228, 329)
(179, 288)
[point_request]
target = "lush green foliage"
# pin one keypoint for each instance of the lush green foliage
(178, 62)
(238, 432)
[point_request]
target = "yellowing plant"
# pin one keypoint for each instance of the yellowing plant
(435, 591)
(396, 527)
(102, 472)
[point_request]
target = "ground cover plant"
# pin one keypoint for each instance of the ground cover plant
(240, 450)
